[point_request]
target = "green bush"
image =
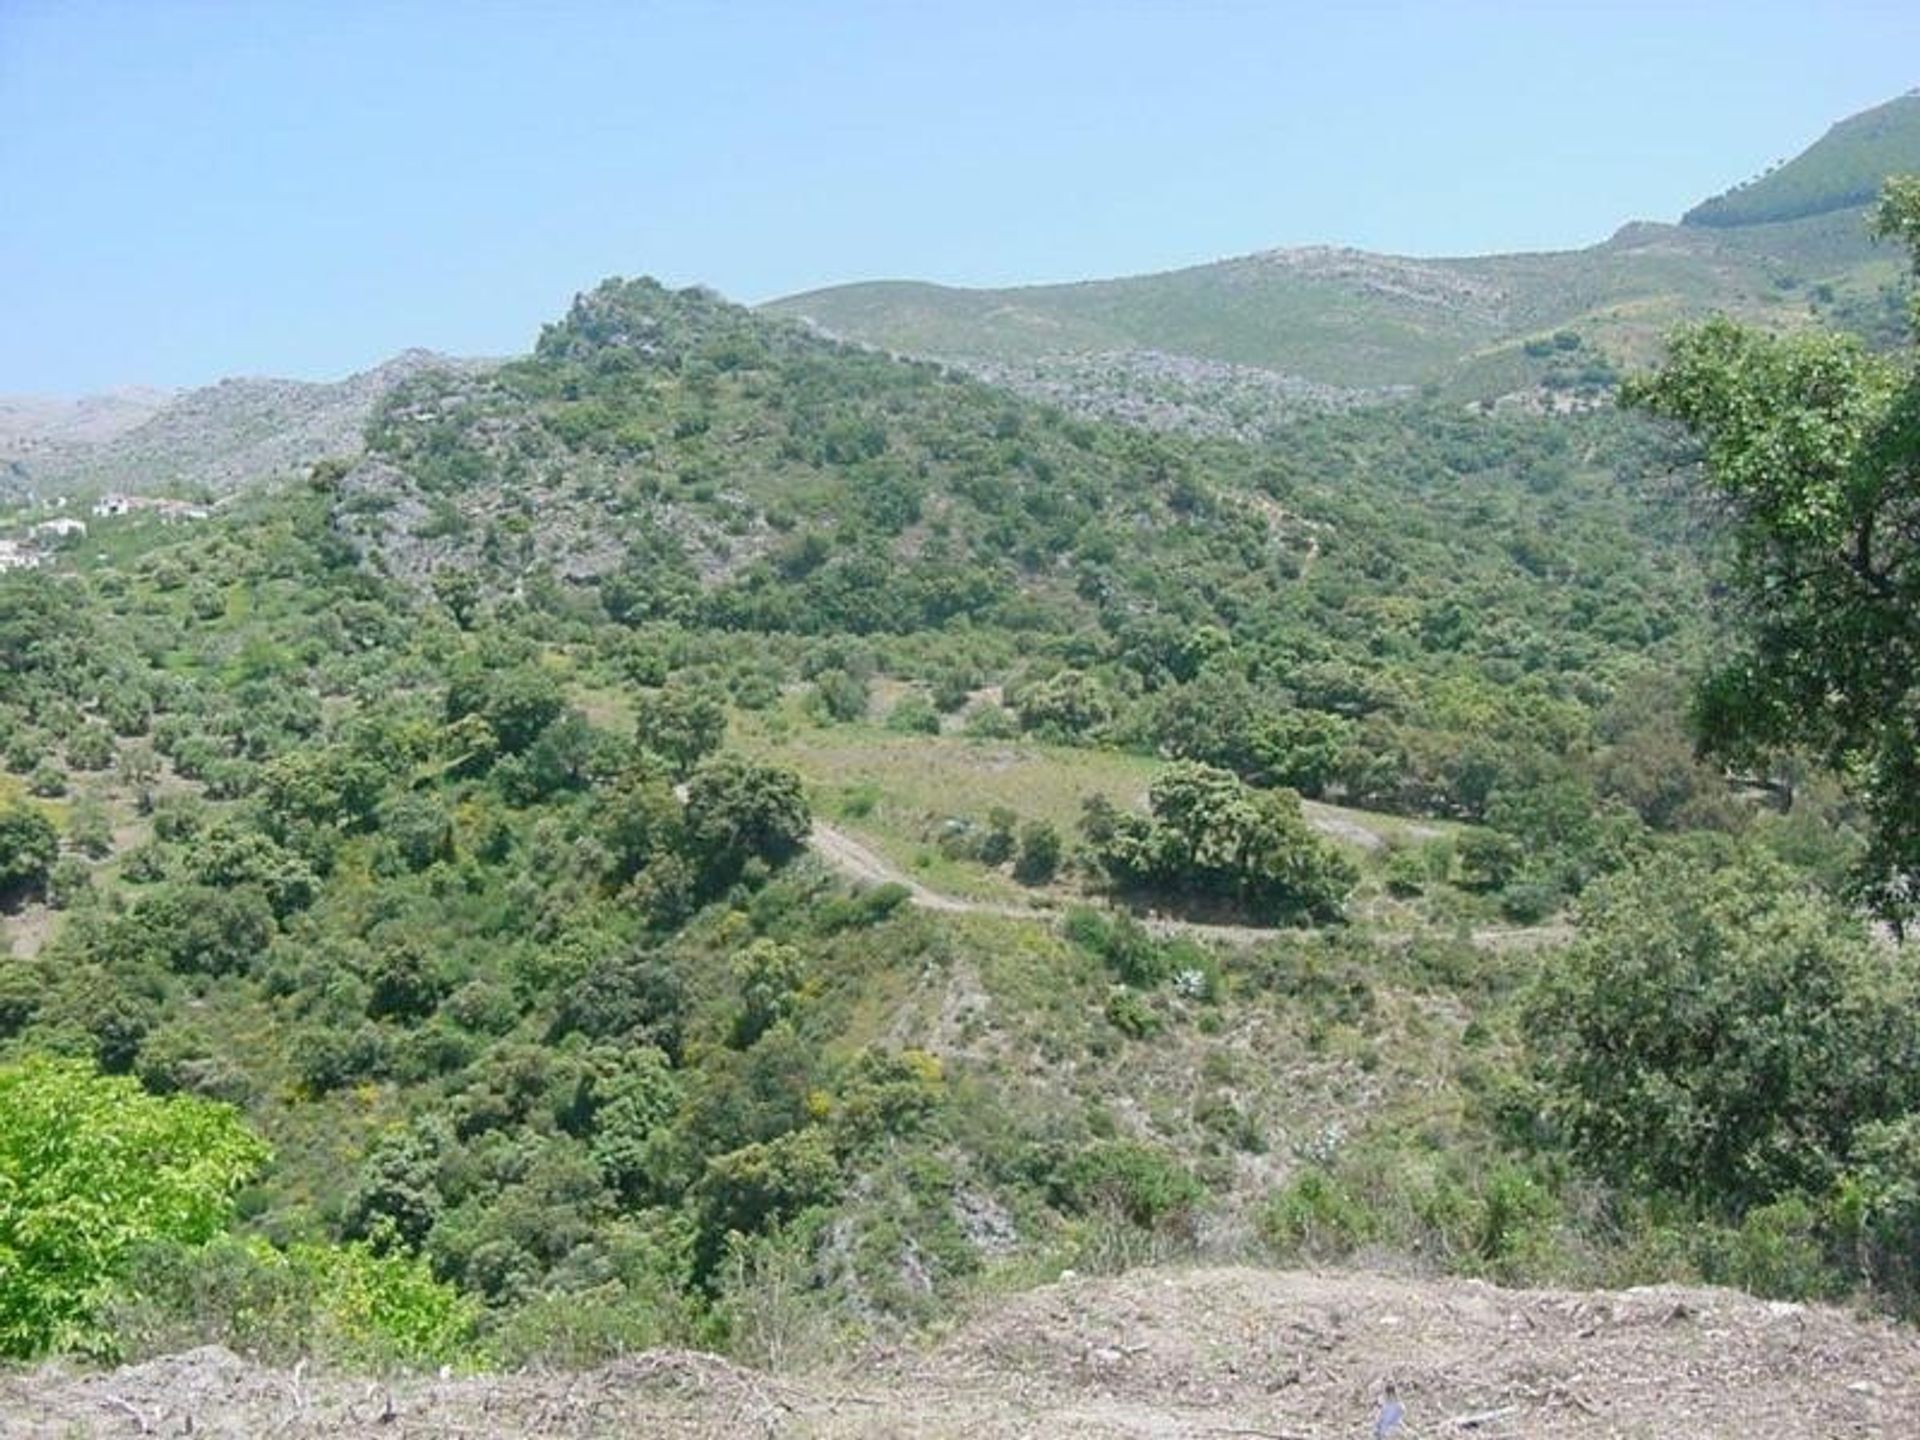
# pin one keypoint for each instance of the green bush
(1315, 1216)
(343, 1303)
(1719, 1035)
(1121, 943)
(1142, 1184)
(1128, 1013)
(1877, 1209)
(914, 714)
(92, 1167)
(1040, 852)
(1779, 1250)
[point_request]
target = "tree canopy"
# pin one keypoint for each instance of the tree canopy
(1721, 1034)
(90, 1168)
(1812, 444)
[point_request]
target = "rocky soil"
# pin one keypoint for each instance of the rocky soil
(1165, 1353)
(1181, 393)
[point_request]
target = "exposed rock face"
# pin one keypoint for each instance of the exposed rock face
(1395, 277)
(217, 439)
(1182, 393)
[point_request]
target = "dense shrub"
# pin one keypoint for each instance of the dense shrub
(90, 1169)
(1722, 1034)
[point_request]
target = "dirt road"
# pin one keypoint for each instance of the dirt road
(863, 865)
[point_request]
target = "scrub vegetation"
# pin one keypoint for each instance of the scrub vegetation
(433, 942)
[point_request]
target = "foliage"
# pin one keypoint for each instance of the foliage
(1212, 837)
(1041, 849)
(1878, 1208)
(1140, 1183)
(285, 1305)
(28, 847)
(1812, 445)
(480, 893)
(1721, 1034)
(91, 1168)
(681, 724)
(738, 811)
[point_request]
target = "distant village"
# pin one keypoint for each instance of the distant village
(37, 544)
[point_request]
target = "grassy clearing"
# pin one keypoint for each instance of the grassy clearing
(898, 791)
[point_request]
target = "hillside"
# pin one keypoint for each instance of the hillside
(1842, 170)
(27, 421)
(41, 433)
(1164, 1353)
(705, 835)
(211, 440)
(1228, 349)
(1476, 327)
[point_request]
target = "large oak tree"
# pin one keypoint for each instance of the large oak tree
(1812, 446)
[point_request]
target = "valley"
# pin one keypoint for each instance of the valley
(1149, 857)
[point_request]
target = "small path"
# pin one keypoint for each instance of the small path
(859, 862)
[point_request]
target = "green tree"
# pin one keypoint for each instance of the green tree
(1212, 836)
(1303, 749)
(90, 1168)
(769, 976)
(90, 747)
(681, 724)
(629, 1103)
(459, 590)
(739, 810)
(1719, 1035)
(1070, 705)
(28, 846)
(1812, 445)
(842, 696)
(517, 703)
(418, 827)
(759, 1185)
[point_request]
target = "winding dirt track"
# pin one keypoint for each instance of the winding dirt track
(863, 865)
(858, 863)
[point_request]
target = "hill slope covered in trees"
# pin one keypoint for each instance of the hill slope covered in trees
(445, 815)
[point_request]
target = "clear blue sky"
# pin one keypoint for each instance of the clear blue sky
(192, 190)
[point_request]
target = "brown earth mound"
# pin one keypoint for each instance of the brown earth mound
(1228, 1352)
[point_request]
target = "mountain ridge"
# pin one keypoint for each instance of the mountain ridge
(1478, 327)
(1230, 347)
(1841, 170)
(213, 438)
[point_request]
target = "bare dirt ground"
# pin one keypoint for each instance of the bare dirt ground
(1156, 1353)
